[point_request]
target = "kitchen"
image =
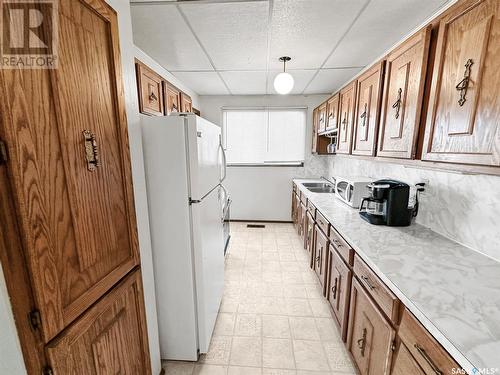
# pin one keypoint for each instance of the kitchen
(285, 187)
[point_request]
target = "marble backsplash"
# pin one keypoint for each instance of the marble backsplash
(464, 208)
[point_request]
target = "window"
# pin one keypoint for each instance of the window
(264, 136)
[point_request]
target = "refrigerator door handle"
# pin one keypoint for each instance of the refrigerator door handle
(224, 160)
(192, 201)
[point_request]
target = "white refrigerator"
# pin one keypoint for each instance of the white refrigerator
(185, 166)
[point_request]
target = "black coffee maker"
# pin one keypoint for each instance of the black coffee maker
(388, 204)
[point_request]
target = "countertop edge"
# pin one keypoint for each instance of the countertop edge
(426, 322)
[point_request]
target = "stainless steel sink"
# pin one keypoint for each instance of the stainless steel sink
(326, 189)
(319, 187)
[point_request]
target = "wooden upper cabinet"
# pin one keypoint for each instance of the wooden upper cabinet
(346, 110)
(463, 122)
(332, 112)
(172, 98)
(370, 337)
(186, 103)
(322, 118)
(314, 143)
(110, 338)
(368, 99)
(402, 99)
(150, 91)
(69, 166)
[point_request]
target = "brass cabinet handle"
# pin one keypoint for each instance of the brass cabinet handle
(334, 289)
(362, 343)
(428, 359)
(463, 85)
(397, 103)
(91, 150)
(367, 282)
(363, 115)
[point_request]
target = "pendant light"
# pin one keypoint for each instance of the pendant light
(283, 82)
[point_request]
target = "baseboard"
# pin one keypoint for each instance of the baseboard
(262, 221)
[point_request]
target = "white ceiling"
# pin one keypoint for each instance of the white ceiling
(221, 47)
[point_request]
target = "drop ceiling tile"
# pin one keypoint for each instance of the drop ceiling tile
(245, 83)
(203, 83)
(233, 34)
(160, 31)
(301, 79)
(330, 80)
(307, 30)
(382, 24)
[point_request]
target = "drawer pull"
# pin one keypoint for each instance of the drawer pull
(429, 361)
(368, 282)
(362, 343)
(334, 289)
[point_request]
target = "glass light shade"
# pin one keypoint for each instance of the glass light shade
(283, 83)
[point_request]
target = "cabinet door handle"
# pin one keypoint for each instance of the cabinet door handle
(363, 116)
(362, 343)
(463, 85)
(91, 150)
(368, 282)
(397, 103)
(427, 359)
(344, 121)
(334, 289)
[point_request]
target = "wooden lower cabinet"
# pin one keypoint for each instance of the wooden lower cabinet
(339, 290)
(294, 207)
(405, 364)
(310, 237)
(370, 337)
(321, 256)
(297, 213)
(110, 338)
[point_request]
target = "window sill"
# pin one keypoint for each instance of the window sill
(282, 164)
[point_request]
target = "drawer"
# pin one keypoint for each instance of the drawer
(322, 222)
(342, 247)
(387, 301)
(311, 209)
(429, 354)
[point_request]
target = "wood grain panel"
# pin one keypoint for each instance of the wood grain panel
(110, 338)
(463, 125)
(78, 227)
(368, 100)
(346, 117)
(404, 83)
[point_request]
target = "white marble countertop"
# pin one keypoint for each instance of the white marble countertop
(453, 291)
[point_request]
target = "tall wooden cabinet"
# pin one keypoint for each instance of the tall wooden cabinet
(69, 176)
(404, 84)
(368, 98)
(463, 123)
(346, 116)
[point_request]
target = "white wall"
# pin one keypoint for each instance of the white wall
(263, 193)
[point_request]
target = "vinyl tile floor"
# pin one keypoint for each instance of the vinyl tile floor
(273, 319)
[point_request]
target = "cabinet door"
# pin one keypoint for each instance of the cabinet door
(463, 123)
(314, 147)
(310, 238)
(150, 91)
(186, 103)
(294, 207)
(322, 118)
(298, 226)
(110, 338)
(370, 336)
(405, 364)
(66, 133)
(346, 110)
(402, 99)
(332, 112)
(172, 98)
(339, 290)
(368, 99)
(321, 256)
(302, 219)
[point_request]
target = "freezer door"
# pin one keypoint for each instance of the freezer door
(208, 239)
(205, 155)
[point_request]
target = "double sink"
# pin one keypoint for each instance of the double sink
(319, 187)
